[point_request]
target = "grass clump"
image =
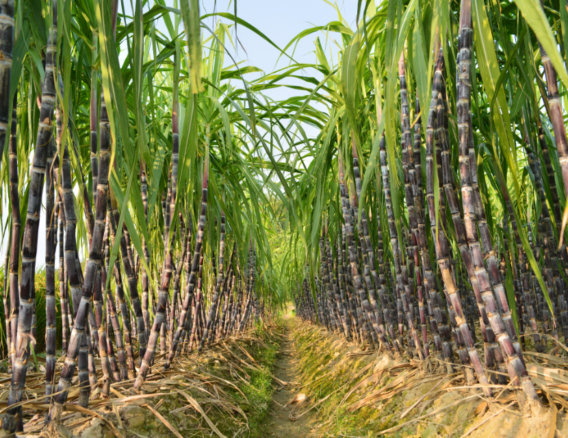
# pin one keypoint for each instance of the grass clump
(259, 389)
(253, 384)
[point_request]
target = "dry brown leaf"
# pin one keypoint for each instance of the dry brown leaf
(94, 414)
(406, 412)
(429, 414)
(140, 397)
(163, 420)
(469, 432)
(480, 409)
(196, 405)
(298, 399)
(553, 416)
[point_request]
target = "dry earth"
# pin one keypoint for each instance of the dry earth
(288, 402)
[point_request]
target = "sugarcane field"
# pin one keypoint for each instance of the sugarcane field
(283, 219)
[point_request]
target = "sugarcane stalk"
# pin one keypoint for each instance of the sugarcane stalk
(330, 323)
(163, 335)
(349, 310)
(145, 275)
(187, 267)
(441, 243)
(427, 277)
(502, 327)
(339, 292)
(394, 241)
(112, 315)
(93, 120)
(131, 278)
(175, 298)
(368, 257)
(50, 231)
(124, 311)
(5, 301)
(29, 245)
(229, 302)
(453, 205)
(191, 281)
(413, 222)
(549, 247)
(110, 349)
(466, 170)
(101, 320)
(556, 117)
(15, 240)
(167, 273)
(366, 311)
(63, 298)
(95, 251)
(218, 286)
(198, 304)
(6, 47)
(383, 296)
(333, 292)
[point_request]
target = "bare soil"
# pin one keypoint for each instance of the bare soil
(289, 402)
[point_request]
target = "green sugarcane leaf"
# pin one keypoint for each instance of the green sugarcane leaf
(372, 163)
(349, 83)
(510, 289)
(419, 59)
(534, 16)
(125, 216)
(505, 71)
(564, 22)
(190, 15)
(519, 99)
(488, 66)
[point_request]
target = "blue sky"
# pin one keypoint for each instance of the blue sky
(280, 21)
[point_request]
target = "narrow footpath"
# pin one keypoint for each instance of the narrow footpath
(288, 401)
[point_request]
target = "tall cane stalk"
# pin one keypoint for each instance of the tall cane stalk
(30, 240)
(441, 242)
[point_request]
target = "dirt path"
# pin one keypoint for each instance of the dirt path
(282, 408)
